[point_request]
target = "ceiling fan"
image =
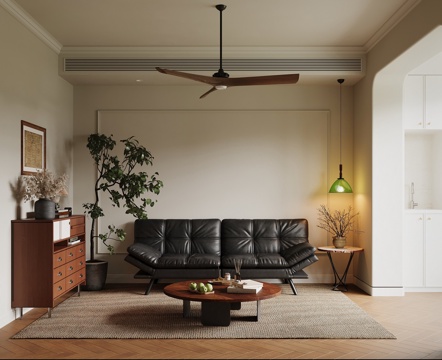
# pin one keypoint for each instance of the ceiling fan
(221, 81)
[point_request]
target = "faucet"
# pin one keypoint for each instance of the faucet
(412, 203)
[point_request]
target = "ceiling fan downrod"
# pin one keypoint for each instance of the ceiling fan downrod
(221, 73)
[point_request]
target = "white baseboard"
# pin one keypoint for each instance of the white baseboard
(379, 291)
(423, 289)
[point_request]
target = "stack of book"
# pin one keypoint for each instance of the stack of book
(245, 287)
(62, 213)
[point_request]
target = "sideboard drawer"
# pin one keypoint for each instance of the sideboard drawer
(80, 250)
(81, 262)
(71, 267)
(81, 275)
(59, 288)
(71, 254)
(71, 281)
(59, 273)
(59, 258)
(77, 226)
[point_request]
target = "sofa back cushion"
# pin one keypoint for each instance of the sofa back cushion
(246, 236)
(180, 236)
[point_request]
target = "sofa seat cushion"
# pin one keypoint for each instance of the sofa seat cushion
(298, 253)
(203, 261)
(173, 261)
(271, 261)
(249, 261)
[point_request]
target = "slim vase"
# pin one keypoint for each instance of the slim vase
(339, 242)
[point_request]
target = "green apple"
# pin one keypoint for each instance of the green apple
(209, 287)
(193, 286)
(202, 289)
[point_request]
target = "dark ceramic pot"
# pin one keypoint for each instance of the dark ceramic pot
(44, 209)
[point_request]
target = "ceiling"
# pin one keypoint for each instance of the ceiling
(181, 31)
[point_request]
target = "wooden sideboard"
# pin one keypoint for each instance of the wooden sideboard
(48, 260)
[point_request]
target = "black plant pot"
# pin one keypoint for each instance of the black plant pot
(96, 272)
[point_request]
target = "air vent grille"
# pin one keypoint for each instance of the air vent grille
(213, 64)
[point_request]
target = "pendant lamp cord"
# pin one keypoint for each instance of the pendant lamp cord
(340, 81)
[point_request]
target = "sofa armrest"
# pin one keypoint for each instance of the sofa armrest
(144, 253)
(297, 253)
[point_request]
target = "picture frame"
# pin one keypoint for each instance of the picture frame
(33, 148)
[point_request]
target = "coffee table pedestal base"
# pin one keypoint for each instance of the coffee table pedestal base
(215, 314)
(218, 313)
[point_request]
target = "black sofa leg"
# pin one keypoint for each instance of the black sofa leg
(292, 285)
(149, 286)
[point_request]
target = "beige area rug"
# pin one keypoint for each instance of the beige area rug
(126, 313)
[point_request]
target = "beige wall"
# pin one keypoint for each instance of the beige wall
(31, 90)
(268, 106)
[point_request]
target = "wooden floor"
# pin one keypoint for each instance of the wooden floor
(415, 319)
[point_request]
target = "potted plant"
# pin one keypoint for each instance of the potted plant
(338, 223)
(47, 188)
(125, 187)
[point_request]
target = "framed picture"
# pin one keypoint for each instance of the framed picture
(33, 148)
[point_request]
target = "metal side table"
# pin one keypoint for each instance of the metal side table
(340, 280)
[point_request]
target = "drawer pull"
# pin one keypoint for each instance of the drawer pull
(81, 250)
(81, 276)
(71, 281)
(81, 263)
(71, 254)
(71, 268)
(60, 273)
(60, 259)
(60, 288)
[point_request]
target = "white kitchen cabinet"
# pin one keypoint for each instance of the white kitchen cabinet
(433, 102)
(422, 249)
(422, 102)
(413, 103)
(433, 250)
(413, 249)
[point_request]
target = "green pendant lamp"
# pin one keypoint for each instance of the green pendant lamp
(340, 185)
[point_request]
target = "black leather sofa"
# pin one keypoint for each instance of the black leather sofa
(206, 248)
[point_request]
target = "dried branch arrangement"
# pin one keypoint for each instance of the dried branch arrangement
(338, 223)
(45, 185)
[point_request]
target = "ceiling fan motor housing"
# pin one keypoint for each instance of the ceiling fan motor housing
(221, 74)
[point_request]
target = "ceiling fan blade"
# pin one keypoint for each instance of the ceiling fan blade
(201, 78)
(208, 92)
(262, 80)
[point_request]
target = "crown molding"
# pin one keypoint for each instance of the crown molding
(24, 18)
(404, 10)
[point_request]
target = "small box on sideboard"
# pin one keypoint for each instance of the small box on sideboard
(62, 213)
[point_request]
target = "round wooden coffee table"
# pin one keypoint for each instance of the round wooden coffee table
(215, 308)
